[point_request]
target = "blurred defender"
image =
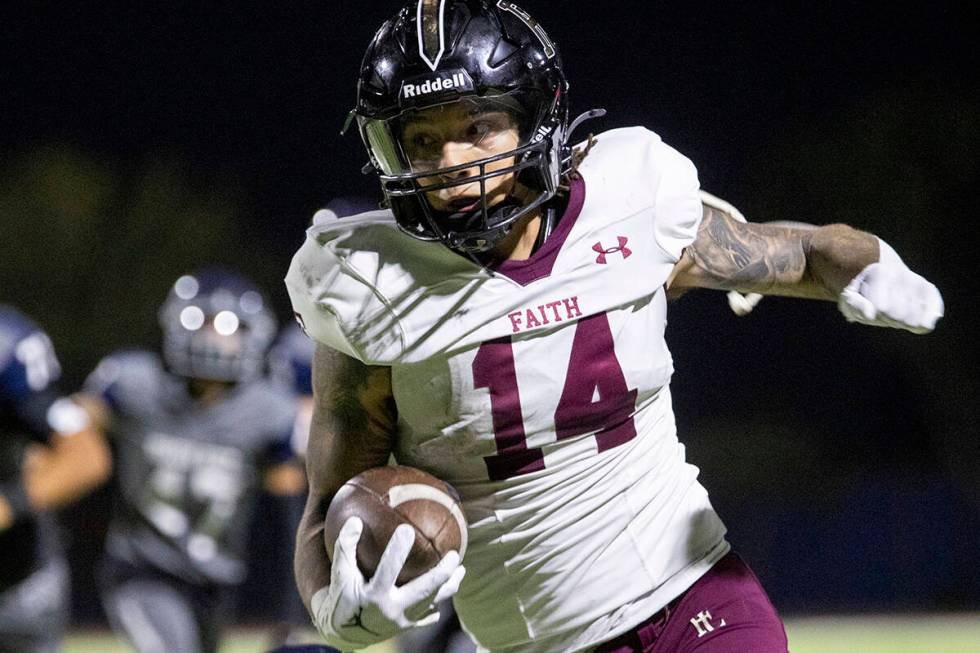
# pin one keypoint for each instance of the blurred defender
(50, 454)
(196, 434)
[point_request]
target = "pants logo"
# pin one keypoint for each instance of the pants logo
(621, 248)
(702, 623)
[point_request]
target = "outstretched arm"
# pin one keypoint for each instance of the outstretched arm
(76, 461)
(773, 260)
(834, 262)
(73, 461)
(73, 465)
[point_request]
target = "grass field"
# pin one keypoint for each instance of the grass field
(881, 634)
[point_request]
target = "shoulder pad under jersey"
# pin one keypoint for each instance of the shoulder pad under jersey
(130, 381)
(635, 170)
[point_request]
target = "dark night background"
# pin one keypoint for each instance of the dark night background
(141, 140)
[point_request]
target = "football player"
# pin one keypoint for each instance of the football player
(197, 434)
(502, 327)
(50, 455)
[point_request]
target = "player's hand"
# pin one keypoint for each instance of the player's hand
(352, 613)
(888, 293)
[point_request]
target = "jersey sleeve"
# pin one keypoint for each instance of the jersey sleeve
(324, 295)
(126, 381)
(677, 201)
(29, 387)
(29, 407)
(633, 171)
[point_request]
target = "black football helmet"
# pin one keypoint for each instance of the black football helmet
(217, 325)
(493, 58)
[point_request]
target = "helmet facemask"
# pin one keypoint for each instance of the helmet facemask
(464, 172)
(216, 327)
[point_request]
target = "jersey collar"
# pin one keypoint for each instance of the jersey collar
(541, 262)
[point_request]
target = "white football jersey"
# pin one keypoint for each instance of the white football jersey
(541, 393)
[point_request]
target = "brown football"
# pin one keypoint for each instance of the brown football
(384, 498)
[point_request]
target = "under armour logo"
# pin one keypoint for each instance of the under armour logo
(621, 248)
(702, 623)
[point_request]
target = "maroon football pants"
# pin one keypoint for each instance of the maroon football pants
(725, 611)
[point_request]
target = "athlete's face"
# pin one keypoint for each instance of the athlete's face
(457, 134)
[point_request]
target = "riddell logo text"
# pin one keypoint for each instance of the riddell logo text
(434, 85)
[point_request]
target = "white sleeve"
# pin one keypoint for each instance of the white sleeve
(677, 201)
(313, 273)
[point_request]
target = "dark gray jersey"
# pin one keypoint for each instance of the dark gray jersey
(29, 371)
(188, 474)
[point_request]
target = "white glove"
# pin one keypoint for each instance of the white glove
(352, 613)
(742, 305)
(888, 293)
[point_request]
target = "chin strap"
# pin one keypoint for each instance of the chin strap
(567, 153)
(549, 218)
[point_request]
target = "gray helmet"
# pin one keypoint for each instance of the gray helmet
(217, 325)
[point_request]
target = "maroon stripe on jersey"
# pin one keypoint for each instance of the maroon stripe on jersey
(542, 261)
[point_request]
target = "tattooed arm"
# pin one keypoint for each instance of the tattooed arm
(353, 427)
(773, 260)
